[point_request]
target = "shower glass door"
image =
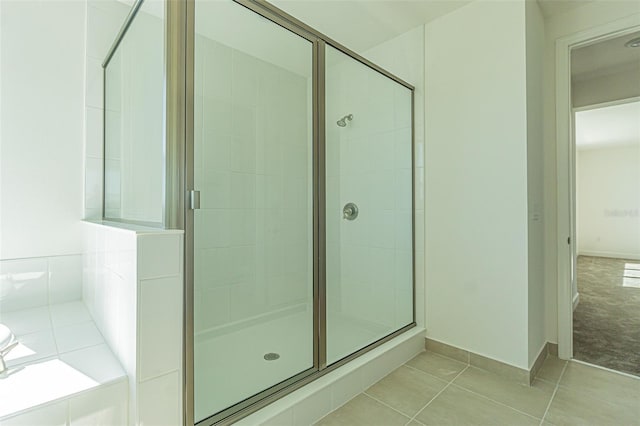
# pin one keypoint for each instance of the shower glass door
(253, 233)
(369, 205)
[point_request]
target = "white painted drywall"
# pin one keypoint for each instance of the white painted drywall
(41, 138)
(535, 183)
(574, 21)
(608, 202)
(476, 181)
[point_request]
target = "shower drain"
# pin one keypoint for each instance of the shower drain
(271, 356)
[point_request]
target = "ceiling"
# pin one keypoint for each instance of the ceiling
(607, 57)
(362, 24)
(556, 7)
(617, 125)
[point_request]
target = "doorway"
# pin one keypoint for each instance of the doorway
(580, 95)
(606, 300)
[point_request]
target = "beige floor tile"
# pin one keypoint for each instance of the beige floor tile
(414, 423)
(456, 406)
(364, 411)
(551, 369)
(532, 400)
(439, 366)
(574, 407)
(406, 389)
(601, 384)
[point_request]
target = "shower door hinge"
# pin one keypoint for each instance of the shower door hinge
(569, 240)
(194, 200)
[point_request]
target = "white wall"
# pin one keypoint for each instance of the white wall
(588, 16)
(535, 182)
(476, 181)
(608, 202)
(41, 137)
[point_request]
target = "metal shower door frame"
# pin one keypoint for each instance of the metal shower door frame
(180, 40)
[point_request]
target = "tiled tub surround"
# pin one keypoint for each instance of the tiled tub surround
(61, 371)
(132, 287)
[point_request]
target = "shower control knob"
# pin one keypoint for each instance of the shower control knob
(350, 211)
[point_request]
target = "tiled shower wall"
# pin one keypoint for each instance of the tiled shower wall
(133, 289)
(253, 240)
(104, 19)
(39, 281)
(369, 163)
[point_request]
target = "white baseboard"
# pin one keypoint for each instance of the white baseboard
(576, 300)
(614, 255)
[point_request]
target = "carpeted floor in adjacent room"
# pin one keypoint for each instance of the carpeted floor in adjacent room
(606, 323)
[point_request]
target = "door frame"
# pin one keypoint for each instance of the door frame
(565, 169)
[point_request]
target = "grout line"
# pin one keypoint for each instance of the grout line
(385, 404)
(437, 395)
(496, 402)
(428, 374)
(555, 390)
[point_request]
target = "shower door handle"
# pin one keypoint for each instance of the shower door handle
(194, 200)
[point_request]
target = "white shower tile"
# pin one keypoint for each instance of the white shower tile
(27, 320)
(383, 224)
(242, 230)
(93, 183)
(159, 401)
(32, 347)
(65, 278)
(96, 362)
(103, 406)
(214, 228)
(49, 415)
(403, 230)
(215, 193)
(345, 388)
(403, 188)
(93, 132)
(71, 313)
(159, 255)
(403, 148)
(212, 268)
(73, 337)
(244, 80)
(159, 326)
(94, 79)
(212, 308)
(243, 191)
(23, 284)
(217, 62)
(242, 154)
(402, 106)
(312, 408)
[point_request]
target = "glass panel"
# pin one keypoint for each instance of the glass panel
(134, 121)
(253, 236)
(369, 205)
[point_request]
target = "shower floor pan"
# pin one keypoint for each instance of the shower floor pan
(230, 367)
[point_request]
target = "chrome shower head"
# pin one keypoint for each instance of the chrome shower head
(343, 121)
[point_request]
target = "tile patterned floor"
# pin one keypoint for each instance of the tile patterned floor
(434, 390)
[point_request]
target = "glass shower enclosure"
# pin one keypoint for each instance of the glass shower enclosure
(288, 161)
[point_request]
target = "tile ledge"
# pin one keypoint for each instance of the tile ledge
(131, 227)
